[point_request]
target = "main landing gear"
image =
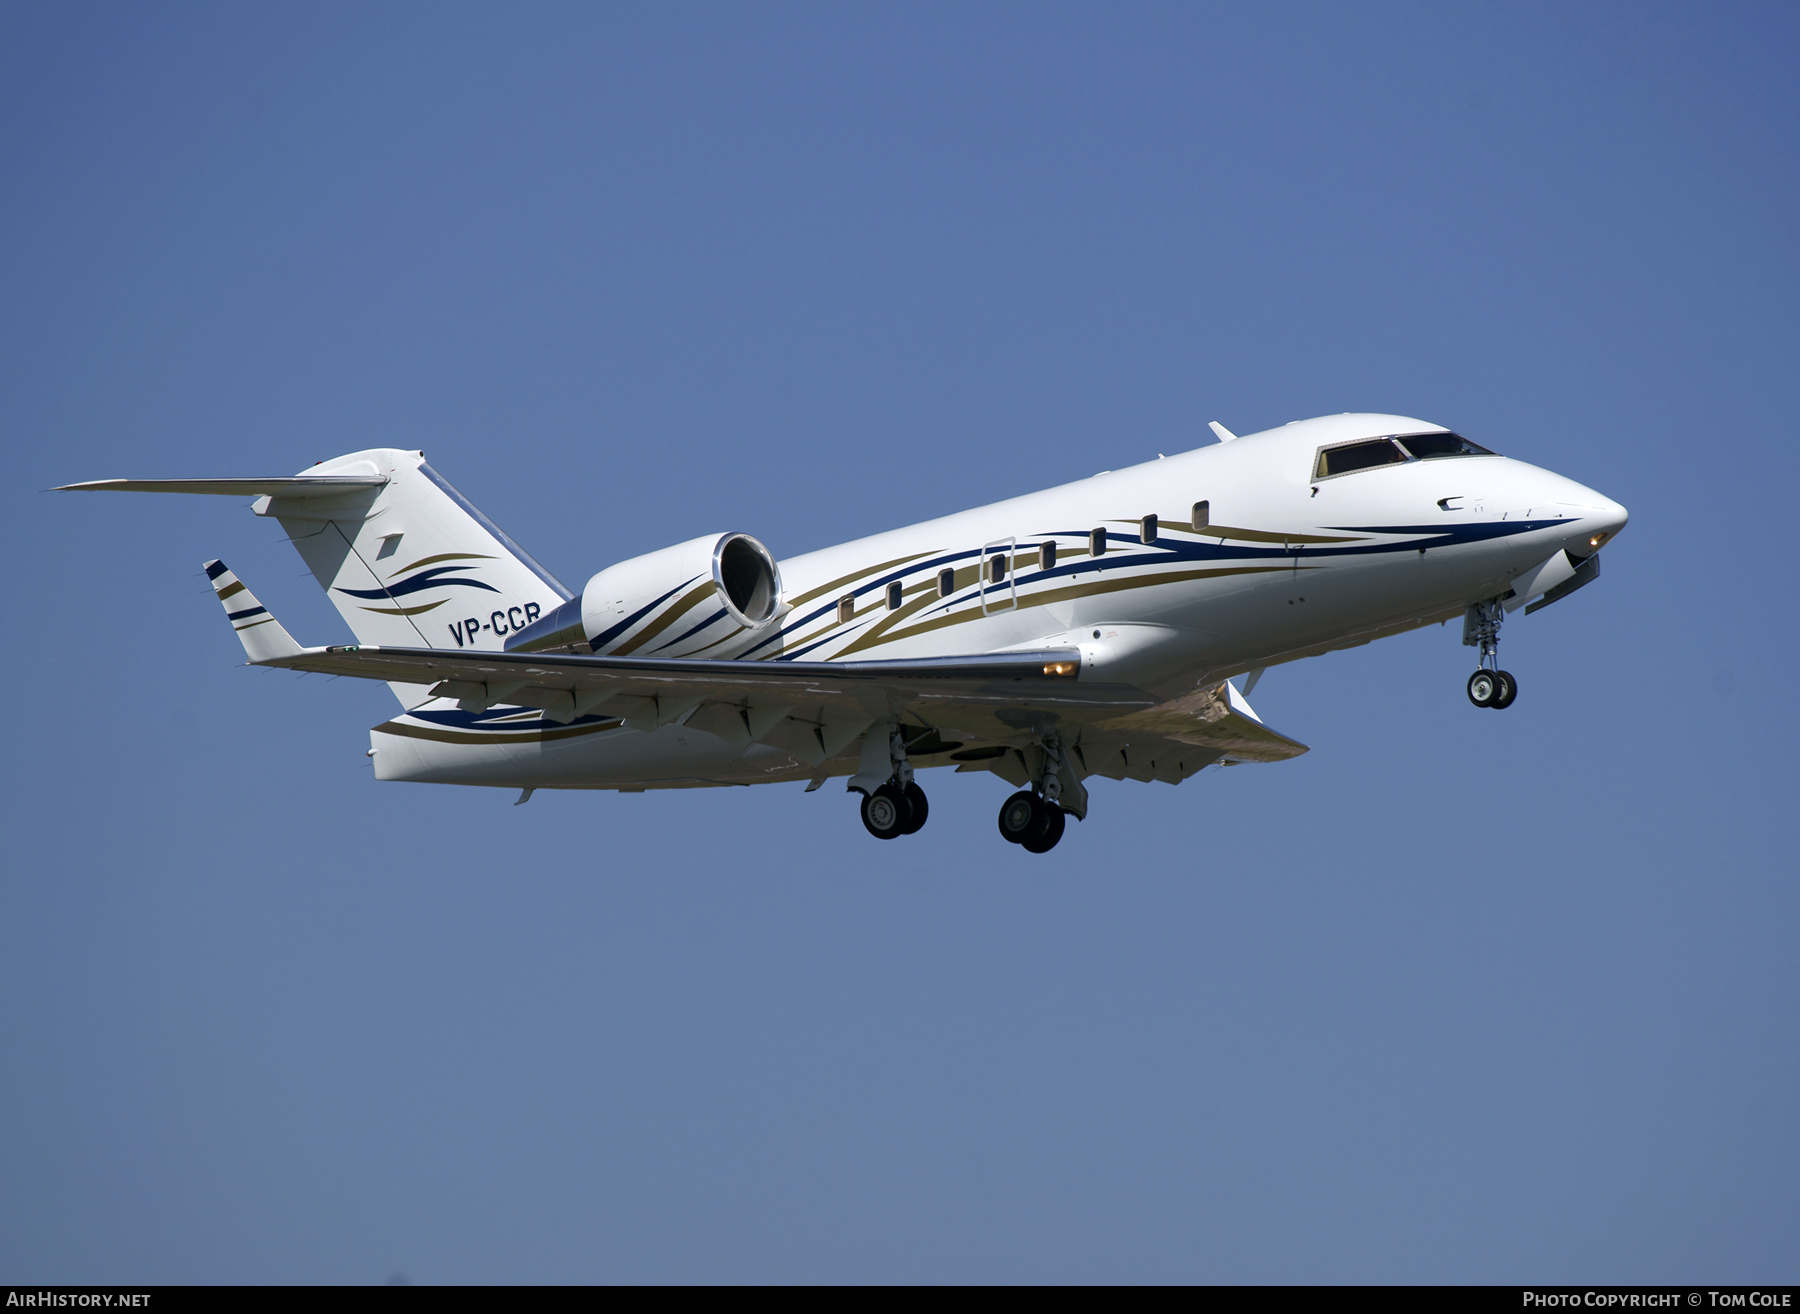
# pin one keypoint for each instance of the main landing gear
(1034, 818)
(1489, 686)
(898, 806)
(893, 804)
(1031, 822)
(893, 811)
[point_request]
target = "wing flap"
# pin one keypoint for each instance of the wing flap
(1214, 721)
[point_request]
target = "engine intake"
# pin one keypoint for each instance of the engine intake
(720, 594)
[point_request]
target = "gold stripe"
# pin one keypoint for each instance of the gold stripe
(406, 611)
(1250, 535)
(872, 636)
(823, 589)
(252, 624)
(735, 631)
(1078, 591)
(663, 621)
(236, 587)
(1028, 559)
(961, 580)
(444, 556)
(466, 737)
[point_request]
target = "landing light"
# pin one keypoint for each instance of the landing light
(1596, 540)
(1061, 668)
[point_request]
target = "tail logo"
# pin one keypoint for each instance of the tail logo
(437, 576)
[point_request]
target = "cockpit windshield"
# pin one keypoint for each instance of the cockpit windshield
(1397, 449)
(1428, 446)
(1349, 457)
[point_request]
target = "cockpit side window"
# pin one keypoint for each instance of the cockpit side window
(1430, 446)
(1349, 457)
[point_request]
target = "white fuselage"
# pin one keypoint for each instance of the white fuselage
(1285, 565)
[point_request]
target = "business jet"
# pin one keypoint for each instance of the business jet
(1092, 629)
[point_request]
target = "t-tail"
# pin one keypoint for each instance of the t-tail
(407, 560)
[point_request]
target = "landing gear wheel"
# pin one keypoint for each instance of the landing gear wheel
(917, 807)
(1484, 688)
(1509, 689)
(885, 813)
(1052, 833)
(1023, 818)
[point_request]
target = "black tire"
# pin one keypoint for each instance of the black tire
(1483, 688)
(1509, 690)
(885, 813)
(1023, 818)
(1047, 841)
(917, 808)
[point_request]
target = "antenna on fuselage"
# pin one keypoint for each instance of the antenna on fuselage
(1225, 435)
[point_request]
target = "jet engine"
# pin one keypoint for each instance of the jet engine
(718, 595)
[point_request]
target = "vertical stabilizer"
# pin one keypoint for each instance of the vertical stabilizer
(405, 558)
(410, 562)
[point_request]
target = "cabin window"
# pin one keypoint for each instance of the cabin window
(893, 596)
(946, 582)
(1147, 530)
(1351, 457)
(1202, 515)
(846, 608)
(1431, 446)
(1097, 543)
(1047, 556)
(997, 568)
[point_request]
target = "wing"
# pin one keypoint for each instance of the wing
(996, 693)
(998, 699)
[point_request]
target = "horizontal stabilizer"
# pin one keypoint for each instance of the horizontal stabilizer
(262, 635)
(321, 486)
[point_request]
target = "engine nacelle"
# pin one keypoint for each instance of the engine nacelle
(719, 594)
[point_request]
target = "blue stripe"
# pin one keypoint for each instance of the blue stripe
(1170, 551)
(934, 565)
(713, 619)
(239, 615)
(425, 579)
(635, 617)
(492, 719)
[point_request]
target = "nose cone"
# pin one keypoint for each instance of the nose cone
(1600, 521)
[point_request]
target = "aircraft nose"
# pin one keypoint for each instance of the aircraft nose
(1607, 524)
(1600, 521)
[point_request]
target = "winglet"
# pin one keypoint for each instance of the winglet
(1225, 435)
(261, 634)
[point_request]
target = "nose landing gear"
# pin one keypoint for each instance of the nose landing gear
(1492, 688)
(1489, 686)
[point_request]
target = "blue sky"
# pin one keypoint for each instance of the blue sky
(1454, 997)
